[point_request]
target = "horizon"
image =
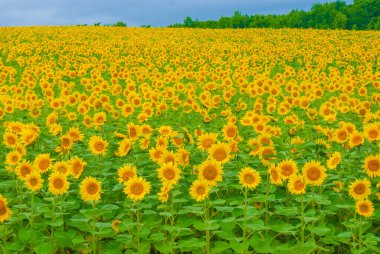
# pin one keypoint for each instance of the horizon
(166, 12)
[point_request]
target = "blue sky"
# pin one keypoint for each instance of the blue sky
(136, 12)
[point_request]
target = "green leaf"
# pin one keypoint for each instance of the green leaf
(45, 248)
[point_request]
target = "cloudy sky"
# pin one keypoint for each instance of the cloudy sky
(136, 12)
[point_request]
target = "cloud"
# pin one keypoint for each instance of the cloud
(135, 12)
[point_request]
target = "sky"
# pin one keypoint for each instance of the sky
(136, 12)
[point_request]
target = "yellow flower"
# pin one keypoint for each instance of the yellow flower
(10, 139)
(24, 169)
(249, 178)
(314, 173)
(136, 188)
(34, 181)
(97, 145)
(169, 173)
(334, 160)
(210, 171)
(199, 190)
(297, 185)
(360, 189)
(124, 147)
(42, 162)
(5, 212)
(364, 208)
(287, 168)
(58, 184)
(205, 141)
(275, 175)
(90, 189)
(220, 152)
(372, 165)
(126, 172)
(12, 158)
(76, 165)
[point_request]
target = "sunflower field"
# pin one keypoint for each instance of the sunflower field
(132, 140)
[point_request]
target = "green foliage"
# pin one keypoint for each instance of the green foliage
(362, 15)
(120, 24)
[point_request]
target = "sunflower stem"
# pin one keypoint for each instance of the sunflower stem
(206, 218)
(94, 240)
(302, 223)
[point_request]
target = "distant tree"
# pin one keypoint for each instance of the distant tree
(97, 24)
(120, 23)
(363, 14)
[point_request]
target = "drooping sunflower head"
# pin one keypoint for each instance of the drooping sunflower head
(76, 166)
(136, 188)
(90, 189)
(334, 160)
(126, 172)
(275, 174)
(249, 178)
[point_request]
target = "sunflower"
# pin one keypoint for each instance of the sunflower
(275, 175)
(210, 171)
(24, 169)
(58, 184)
(34, 181)
(97, 145)
(163, 195)
(10, 139)
(220, 152)
(136, 188)
(341, 135)
(90, 189)
(169, 173)
(99, 119)
(167, 156)
(5, 212)
(12, 158)
(114, 225)
(76, 166)
(372, 132)
(355, 139)
(287, 168)
(75, 134)
(62, 167)
(230, 131)
(42, 162)
(205, 141)
(124, 147)
(66, 142)
(314, 173)
(155, 153)
(249, 178)
(360, 189)
(297, 185)
(372, 165)
(199, 190)
(183, 157)
(334, 160)
(364, 208)
(133, 131)
(126, 172)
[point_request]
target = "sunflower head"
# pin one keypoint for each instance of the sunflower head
(58, 184)
(90, 189)
(249, 178)
(136, 188)
(364, 208)
(199, 190)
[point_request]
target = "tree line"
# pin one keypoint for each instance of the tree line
(361, 15)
